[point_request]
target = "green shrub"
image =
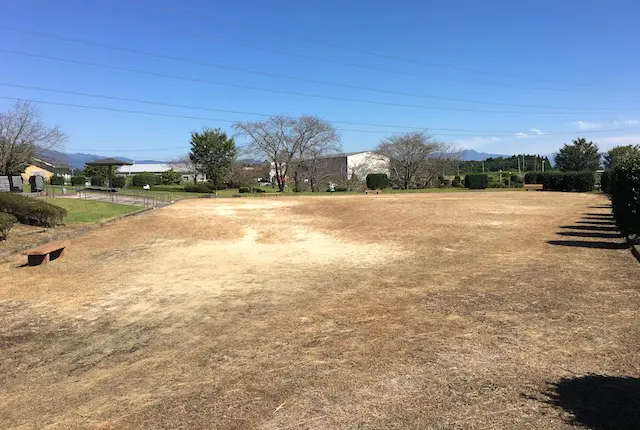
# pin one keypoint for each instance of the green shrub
(6, 222)
(440, 179)
(533, 178)
(605, 181)
(243, 190)
(97, 181)
(78, 180)
(377, 181)
(145, 178)
(624, 189)
(340, 189)
(168, 188)
(476, 181)
(198, 188)
(257, 190)
(568, 181)
(56, 180)
(170, 177)
(118, 181)
(456, 181)
(31, 211)
(446, 183)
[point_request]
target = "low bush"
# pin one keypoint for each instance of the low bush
(97, 181)
(605, 181)
(446, 183)
(341, 189)
(118, 181)
(56, 180)
(31, 211)
(456, 181)
(624, 190)
(476, 181)
(146, 178)
(257, 190)
(568, 181)
(533, 178)
(243, 190)
(6, 222)
(78, 180)
(198, 188)
(377, 181)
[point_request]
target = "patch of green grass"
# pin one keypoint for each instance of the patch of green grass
(90, 211)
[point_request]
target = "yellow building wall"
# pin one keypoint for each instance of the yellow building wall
(35, 170)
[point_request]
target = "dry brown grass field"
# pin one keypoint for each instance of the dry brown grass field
(468, 310)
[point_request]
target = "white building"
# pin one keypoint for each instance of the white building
(344, 166)
(158, 169)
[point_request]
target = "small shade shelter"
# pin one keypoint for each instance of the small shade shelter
(109, 162)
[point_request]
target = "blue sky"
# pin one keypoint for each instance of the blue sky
(571, 66)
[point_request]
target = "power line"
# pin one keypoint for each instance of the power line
(129, 111)
(156, 103)
(294, 78)
(365, 101)
(298, 38)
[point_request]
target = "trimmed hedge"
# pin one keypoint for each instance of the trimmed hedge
(97, 181)
(118, 181)
(624, 189)
(533, 178)
(78, 180)
(6, 222)
(605, 181)
(31, 211)
(568, 181)
(56, 180)
(476, 181)
(377, 181)
(146, 178)
(203, 187)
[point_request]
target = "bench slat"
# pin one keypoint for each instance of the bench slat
(47, 248)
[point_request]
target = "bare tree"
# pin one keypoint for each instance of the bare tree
(415, 159)
(23, 136)
(184, 164)
(286, 141)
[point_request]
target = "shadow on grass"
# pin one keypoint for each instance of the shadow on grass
(594, 234)
(597, 222)
(590, 227)
(599, 402)
(588, 244)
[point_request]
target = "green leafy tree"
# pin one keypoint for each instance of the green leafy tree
(580, 155)
(95, 172)
(212, 153)
(614, 155)
(171, 177)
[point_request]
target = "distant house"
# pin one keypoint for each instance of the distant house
(345, 166)
(158, 169)
(46, 168)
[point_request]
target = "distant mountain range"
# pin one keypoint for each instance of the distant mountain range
(77, 160)
(472, 155)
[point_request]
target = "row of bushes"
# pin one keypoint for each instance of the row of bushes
(623, 187)
(31, 211)
(6, 222)
(567, 181)
(476, 181)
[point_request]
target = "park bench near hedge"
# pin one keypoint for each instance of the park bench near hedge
(44, 253)
(528, 187)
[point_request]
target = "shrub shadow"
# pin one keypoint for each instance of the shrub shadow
(588, 244)
(594, 234)
(599, 402)
(590, 227)
(597, 222)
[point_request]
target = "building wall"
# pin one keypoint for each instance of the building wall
(35, 170)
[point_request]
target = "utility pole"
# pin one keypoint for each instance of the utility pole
(482, 166)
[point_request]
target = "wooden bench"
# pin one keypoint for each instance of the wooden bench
(44, 253)
(371, 191)
(528, 187)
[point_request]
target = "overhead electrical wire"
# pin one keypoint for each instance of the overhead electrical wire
(365, 101)
(294, 78)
